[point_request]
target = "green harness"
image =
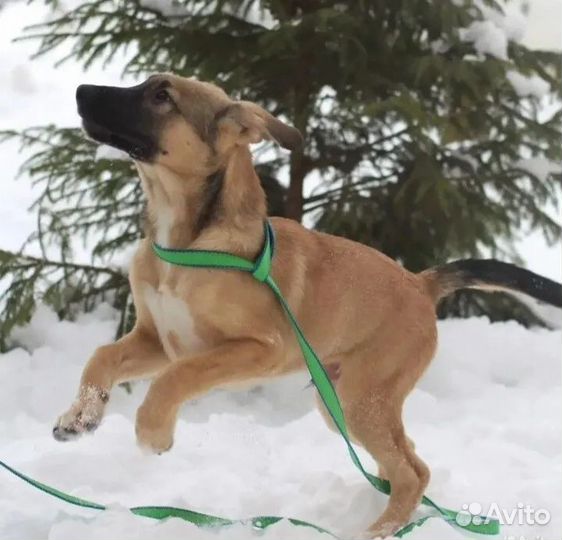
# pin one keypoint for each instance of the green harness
(260, 270)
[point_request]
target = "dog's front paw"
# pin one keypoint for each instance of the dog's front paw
(155, 432)
(84, 415)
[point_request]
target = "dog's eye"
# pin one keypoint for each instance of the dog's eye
(162, 96)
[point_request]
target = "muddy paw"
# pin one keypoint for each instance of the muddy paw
(84, 416)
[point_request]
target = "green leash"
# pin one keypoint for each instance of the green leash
(260, 270)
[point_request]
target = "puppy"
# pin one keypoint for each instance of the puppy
(371, 322)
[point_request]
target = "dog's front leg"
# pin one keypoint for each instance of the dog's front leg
(136, 355)
(192, 377)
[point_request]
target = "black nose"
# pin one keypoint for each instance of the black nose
(84, 91)
(92, 100)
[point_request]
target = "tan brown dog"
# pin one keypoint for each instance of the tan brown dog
(371, 321)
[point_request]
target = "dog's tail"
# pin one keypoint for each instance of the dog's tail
(491, 275)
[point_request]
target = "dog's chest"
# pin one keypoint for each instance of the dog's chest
(173, 321)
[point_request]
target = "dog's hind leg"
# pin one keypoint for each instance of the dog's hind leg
(382, 473)
(374, 422)
(372, 387)
(136, 355)
(381, 433)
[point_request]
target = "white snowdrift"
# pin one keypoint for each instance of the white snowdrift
(486, 418)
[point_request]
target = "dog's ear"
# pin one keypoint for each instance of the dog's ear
(249, 123)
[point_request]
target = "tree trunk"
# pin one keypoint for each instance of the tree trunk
(294, 204)
(301, 108)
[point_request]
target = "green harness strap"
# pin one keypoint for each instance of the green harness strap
(260, 270)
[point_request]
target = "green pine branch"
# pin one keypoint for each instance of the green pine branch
(82, 201)
(67, 287)
(416, 152)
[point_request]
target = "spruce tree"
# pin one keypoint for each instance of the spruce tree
(424, 136)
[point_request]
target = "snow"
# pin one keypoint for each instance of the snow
(169, 8)
(251, 11)
(108, 152)
(540, 167)
(510, 19)
(486, 418)
(528, 86)
(492, 34)
(487, 38)
(33, 94)
(38, 93)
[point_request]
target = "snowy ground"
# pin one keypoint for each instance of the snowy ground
(486, 417)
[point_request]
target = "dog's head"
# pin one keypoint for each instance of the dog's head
(183, 124)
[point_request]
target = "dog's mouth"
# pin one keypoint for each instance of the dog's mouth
(115, 116)
(137, 146)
